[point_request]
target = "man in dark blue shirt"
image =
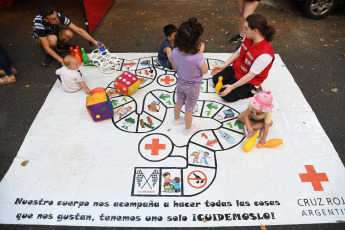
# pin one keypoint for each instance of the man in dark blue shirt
(54, 30)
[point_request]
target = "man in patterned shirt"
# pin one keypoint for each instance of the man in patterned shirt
(53, 30)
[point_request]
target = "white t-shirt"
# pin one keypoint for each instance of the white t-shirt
(70, 79)
(260, 63)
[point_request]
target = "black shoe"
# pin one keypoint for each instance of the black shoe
(236, 39)
(64, 48)
(47, 60)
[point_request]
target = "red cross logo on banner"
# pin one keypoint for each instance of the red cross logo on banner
(167, 80)
(313, 177)
(154, 147)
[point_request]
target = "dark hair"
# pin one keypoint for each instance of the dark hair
(166, 174)
(169, 29)
(177, 179)
(46, 10)
(257, 21)
(187, 37)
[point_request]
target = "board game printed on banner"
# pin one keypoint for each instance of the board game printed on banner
(123, 110)
(199, 155)
(210, 108)
(153, 106)
(228, 138)
(155, 147)
(147, 123)
(167, 80)
(165, 97)
(207, 139)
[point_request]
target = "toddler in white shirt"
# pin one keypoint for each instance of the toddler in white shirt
(70, 75)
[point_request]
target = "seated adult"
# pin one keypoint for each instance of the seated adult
(54, 30)
(251, 62)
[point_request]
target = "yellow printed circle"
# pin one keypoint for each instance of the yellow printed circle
(98, 116)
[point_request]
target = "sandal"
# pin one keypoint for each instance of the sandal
(14, 71)
(7, 80)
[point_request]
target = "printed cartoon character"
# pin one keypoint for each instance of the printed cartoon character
(142, 80)
(122, 110)
(226, 136)
(168, 187)
(196, 156)
(149, 120)
(154, 107)
(176, 184)
(128, 122)
(142, 123)
(203, 158)
(145, 62)
(111, 92)
(166, 176)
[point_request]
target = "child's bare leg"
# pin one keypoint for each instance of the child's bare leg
(260, 125)
(188, 119)
(177, 111)
(240, 117)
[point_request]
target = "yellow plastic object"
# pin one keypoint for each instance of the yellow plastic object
(219, 84)
(271, 143)
(249, 144)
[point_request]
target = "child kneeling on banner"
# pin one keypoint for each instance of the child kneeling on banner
(188, 61)
(257, 117)
(70, 75)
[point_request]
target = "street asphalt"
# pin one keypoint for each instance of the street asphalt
(313, 51)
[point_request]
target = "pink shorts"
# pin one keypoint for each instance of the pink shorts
(187, 94)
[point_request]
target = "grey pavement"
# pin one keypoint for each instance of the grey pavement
(313, 51)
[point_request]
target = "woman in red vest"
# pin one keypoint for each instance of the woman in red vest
(251, 62)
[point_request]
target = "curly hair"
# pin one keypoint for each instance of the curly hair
(257, 21)
(187, 36)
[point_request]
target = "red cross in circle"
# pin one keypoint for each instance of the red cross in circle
(155, 146)
(313, 177)
(167, 80)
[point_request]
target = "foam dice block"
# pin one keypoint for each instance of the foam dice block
(127, 83)
(99, 106)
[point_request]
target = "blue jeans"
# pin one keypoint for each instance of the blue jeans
(5, 61)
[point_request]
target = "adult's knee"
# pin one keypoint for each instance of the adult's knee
(230, 97)
(65, 35)
(52, 40)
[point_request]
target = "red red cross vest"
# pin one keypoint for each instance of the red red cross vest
(248, 54)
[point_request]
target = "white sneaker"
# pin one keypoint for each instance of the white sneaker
(190, 131)
(178, 122)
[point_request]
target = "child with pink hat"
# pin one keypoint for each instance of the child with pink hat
(258, 115)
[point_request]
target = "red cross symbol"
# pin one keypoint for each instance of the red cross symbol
(167, 80)
(313, 177)
(155, 146)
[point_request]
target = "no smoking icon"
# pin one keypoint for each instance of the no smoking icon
(197, 179)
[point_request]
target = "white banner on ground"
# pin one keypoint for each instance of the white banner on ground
(137, 169)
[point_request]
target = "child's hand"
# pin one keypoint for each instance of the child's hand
(262, 141)
(250, 131)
